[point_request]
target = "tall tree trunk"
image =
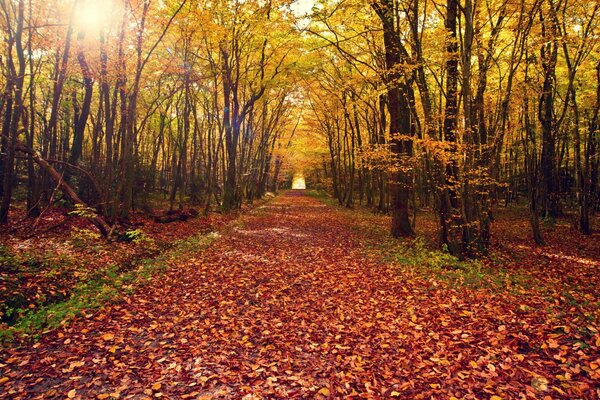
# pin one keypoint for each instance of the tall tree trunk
(401, 128)
(19, 77)
(546, 115)
(81, 120)
(450, 208)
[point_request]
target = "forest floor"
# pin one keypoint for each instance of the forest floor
(300, 299)
(54, 266)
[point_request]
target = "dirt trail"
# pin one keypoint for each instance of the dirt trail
(286, 305)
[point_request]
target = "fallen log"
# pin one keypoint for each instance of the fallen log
(175, 215)
(165, 219)
(97, 220)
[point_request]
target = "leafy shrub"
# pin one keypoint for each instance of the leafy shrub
(83, 211)
(82, 236)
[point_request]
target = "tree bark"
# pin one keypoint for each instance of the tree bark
(400, 127)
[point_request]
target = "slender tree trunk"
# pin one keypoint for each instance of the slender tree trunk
(450, 211)
(19, 77)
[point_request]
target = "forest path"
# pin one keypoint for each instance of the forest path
(289, 304)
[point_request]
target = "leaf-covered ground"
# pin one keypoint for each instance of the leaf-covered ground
(298, 303)
(43, 261)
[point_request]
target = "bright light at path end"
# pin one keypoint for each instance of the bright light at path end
(298, 182)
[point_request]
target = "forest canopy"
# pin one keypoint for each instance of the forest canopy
(451, 105)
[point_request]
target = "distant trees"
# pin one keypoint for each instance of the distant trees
(484, 103)
(112, 103)
(456, 105)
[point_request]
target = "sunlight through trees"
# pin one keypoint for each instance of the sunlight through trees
(399, 105)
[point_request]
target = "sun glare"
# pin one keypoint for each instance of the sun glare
(300, 8)
(94, 15)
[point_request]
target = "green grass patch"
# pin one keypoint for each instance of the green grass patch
(416, 255)
(317, 194)
(474, 274)
(102, 287)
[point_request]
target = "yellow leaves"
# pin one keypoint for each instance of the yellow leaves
(72, 393)
(565, 377)
(204, 379)
(462, 375)
(156, 386)
(494, 397)
(473, 364)
(3, 379)
(441, 361)
(324, 391)
(539, 383)
(257, 368)
(108, 337)
(103, 396)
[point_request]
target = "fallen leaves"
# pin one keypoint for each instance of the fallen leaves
(108, 336)
(296, 306)
(73, 365)
(324, 391)
(540, 383)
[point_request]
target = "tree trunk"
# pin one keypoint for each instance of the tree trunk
(401, 129)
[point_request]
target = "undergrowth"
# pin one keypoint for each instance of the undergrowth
(416, 255)
(104, 286)
(97, 288)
